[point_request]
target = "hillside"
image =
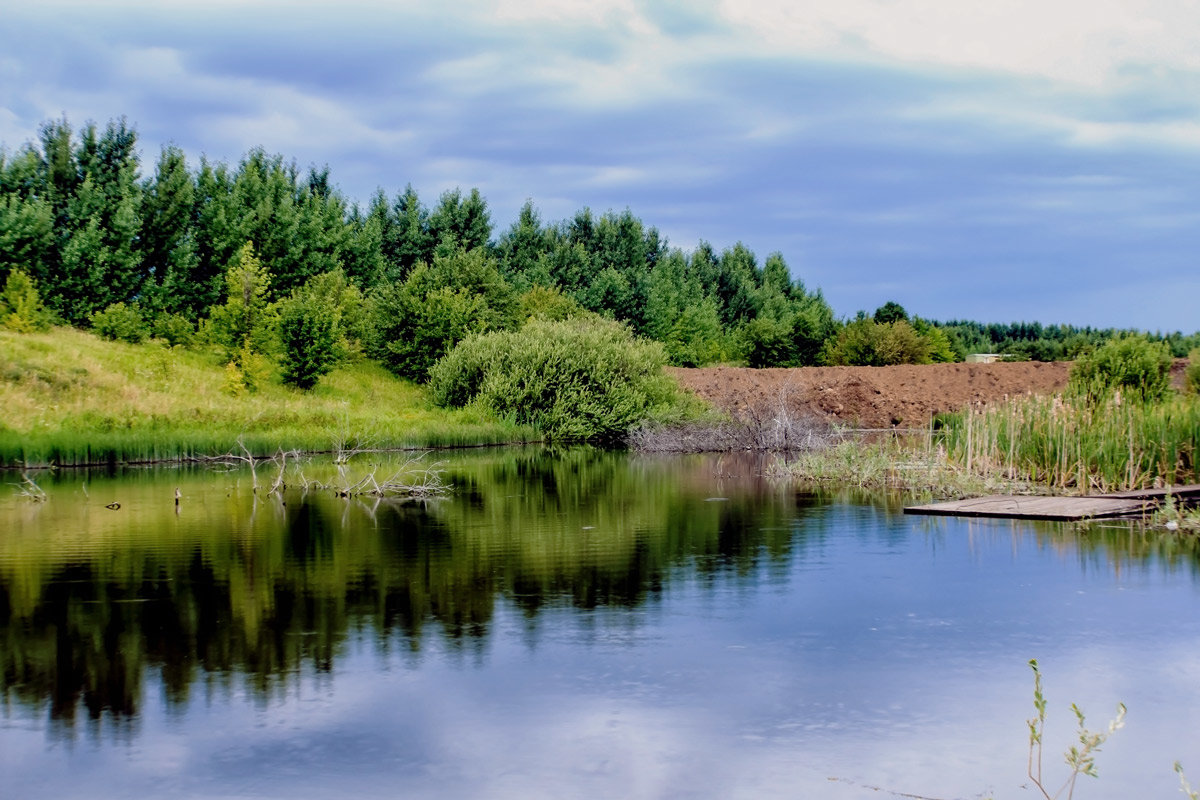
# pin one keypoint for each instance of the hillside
(70, 397)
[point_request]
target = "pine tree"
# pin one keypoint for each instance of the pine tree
(168, 240)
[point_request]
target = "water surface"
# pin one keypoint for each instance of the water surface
(571, 624)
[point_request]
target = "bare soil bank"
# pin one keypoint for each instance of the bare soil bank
(870, 397)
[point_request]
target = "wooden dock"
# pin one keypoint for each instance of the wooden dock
(1066, 509)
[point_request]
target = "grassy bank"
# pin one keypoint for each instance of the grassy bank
(70, 398)
(1069, 446)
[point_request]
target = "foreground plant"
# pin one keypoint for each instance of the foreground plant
(1081, 757)
(1184, 786)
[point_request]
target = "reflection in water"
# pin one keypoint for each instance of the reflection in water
(577, 623)
(244, 585)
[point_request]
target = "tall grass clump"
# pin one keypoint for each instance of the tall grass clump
(1070, 446)
(585, 378)
(1192, 376)
(1117, 427)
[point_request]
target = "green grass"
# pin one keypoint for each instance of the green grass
(911, 465)
(71, 398)
(1066, 445)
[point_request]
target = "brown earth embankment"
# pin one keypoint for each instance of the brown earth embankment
(870, 397)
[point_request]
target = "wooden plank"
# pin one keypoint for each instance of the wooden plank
(1189, 492)
(1065, 509)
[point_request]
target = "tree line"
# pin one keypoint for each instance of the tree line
(267, 263)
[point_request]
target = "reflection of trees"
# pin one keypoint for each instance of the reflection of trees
(254, 591)
(270, 587)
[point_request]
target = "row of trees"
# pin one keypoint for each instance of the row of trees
(313, 276)
(1033, 341)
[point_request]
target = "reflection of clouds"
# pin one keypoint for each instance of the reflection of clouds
(891, 654)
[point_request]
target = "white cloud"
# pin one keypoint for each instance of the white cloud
(1072, 41)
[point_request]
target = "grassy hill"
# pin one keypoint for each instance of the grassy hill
(68, 397)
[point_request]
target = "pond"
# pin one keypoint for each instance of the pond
(572, 623)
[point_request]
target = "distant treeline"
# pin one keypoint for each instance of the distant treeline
(401, 281)
(1032, 341)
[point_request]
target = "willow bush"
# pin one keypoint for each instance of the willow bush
(1137, 368)
(580, 379)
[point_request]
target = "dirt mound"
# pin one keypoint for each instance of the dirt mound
(870, 397)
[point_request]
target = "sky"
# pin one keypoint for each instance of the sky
(1008, 161)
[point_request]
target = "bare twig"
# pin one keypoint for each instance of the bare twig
(412, 479)
(29, 488)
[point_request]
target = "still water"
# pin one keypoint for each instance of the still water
(572, 624)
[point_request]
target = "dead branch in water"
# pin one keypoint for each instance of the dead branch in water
(28, 488)
(411, 480)
(757, 427)
(752, 428)
(232, 460)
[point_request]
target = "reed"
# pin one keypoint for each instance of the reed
(1069, 445)
(910, 464)
(69, 398)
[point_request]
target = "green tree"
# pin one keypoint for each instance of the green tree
(460, 223)
(216, 241)
(242, 325)
(26, 234)
(310, 337)
(121, 323)
(168, 240)
(100, 260)
(362, 257)
(890, 311)
(695, 338)
(1133, 365)
(263, 210)
(419, 321)
(737, 286)
(521, 248)
(941, 350)
(21, 308)
(542, 302)
(407, 240)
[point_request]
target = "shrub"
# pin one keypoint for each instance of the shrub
(21, 309)
(1192, 376)
(121, 323)
(767, 342)
(416, 323)
(548, 303)
(865, 342)
(1135, 366)
(694, 338)
(586, 378)
(412, 331)
(244, 322)
(310, 338)
(174, 329)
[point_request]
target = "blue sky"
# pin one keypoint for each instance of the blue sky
(1017, 160)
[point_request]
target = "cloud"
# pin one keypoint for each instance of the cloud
(917, 147)
(1088, 44)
